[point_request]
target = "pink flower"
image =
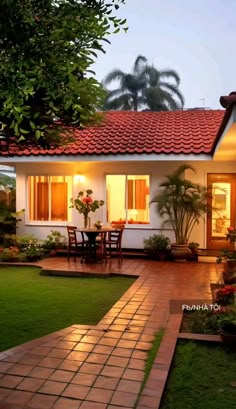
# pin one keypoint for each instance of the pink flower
(87, 200)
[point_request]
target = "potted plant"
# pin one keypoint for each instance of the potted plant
(98, 225)
(228, 259)
(54, 241)
(158, 246)
(226, 324)
(194, 250)
(181, 203)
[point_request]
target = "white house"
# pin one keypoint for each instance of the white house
(123, 160)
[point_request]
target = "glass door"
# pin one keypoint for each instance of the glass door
(222, 215)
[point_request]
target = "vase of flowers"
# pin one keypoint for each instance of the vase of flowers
(85, 204)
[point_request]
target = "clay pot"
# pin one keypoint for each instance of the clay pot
(229, 272)
(229, 278)
(180, 252)
(230, 266)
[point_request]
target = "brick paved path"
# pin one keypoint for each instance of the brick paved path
(102, 367)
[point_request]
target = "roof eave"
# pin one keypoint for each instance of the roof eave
(228, 102)
(152, 157)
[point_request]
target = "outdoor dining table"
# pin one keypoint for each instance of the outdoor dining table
(92, 233)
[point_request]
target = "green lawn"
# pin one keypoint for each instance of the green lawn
(201, 377)
(32, 305)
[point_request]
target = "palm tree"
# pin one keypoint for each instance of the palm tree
(130, 94)
(145, 87)
(161, 95)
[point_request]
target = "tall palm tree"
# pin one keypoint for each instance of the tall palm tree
(145, 88)
(161, 95)
(129, 96)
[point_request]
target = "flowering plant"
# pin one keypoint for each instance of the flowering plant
(227, 255)
(30, 246)
(10, 253)
(224, 319)
(85, 204)
(226, 295)
(231, 235)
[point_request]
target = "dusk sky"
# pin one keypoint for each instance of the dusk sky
(196, 38)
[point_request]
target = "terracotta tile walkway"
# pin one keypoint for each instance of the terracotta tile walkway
(102, 367)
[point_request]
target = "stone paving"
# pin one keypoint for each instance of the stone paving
(102, 366)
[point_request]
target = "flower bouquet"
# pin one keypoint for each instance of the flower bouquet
(85, 204)
(231, 234)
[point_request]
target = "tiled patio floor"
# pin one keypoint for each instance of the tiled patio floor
(102, 367)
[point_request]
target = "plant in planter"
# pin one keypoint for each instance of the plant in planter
(98, 225)
(226, 324)
(181, 203)
(194, 250)
(54, 241)
(228, 259)
(222, 322)
(158, 246)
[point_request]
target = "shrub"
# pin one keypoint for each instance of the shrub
(156, 243)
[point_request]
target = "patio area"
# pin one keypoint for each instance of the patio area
(102, 367)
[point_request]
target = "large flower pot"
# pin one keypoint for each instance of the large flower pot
(229, 272)
(229, 278)
(180, 252)
(230, 266)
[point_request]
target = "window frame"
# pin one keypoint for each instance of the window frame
(126, 224)
(48, 222)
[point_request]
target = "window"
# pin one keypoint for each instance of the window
(127, 199)
(48, 197)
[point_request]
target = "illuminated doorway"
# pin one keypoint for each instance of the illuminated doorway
(222, 216)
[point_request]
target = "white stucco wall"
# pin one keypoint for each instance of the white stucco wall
(94, 174)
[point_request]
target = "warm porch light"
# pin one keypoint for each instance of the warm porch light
(79, 178)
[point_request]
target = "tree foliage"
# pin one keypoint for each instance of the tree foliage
(145, 87)
(46, 50)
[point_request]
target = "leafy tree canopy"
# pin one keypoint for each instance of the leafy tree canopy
(46, 50)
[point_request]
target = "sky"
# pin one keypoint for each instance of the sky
(197, 38)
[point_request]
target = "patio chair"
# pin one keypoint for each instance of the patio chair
(75, 246)
(112, 243)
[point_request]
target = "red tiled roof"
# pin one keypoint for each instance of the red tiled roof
(128, 132)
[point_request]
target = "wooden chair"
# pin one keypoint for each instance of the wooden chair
(75, 246)
(113, 242)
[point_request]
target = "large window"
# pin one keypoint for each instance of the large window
(48, 197)
(127, 199)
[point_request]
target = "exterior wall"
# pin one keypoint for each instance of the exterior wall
(94, 178)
